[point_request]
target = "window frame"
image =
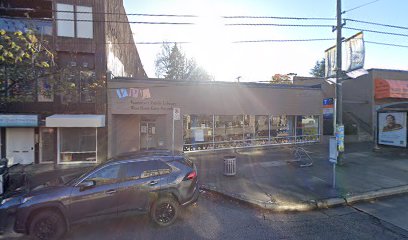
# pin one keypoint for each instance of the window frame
(76, 24)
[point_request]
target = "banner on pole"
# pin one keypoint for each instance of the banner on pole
(354, 52)
(176, 114)
(330, 62)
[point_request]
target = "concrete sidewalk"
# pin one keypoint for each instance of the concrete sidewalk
(269, 178)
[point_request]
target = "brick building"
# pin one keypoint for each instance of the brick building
(68, 127)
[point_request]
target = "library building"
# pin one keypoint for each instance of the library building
(207, 116)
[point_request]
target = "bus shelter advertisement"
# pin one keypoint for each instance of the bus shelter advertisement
(392, 129)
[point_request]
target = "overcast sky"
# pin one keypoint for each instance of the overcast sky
(212, 41)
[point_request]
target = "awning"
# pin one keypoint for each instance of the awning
(385, 88)
(75, 120)
(10, 120)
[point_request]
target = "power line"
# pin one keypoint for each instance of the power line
(374, 31)
(104, 13)
(108, 21)
(152, 43)
(377, 24)
(277, 25)
(243, 41)
(387, 44)
(360, 6)
(286, 40)
(163, 15)
(273, 17)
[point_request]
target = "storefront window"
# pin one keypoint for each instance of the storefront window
(77, 144)
(249, 130)
(231, 131)
(261, 129)
(228, 131)
(198, 132)
(282, 129)
(307, 128)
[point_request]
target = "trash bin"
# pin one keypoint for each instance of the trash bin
(230, 165)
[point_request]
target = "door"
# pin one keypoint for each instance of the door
(20, 145)
(99, 200)
(48, 151)
(148, 139)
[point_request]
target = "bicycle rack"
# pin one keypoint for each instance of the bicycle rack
(302, 156)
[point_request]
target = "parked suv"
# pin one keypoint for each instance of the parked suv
(155, 182)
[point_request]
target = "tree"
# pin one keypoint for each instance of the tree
(23, 60)
(281, 79)
(171, 63)
(319, 69)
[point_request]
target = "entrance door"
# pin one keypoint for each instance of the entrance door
(148, 139)
(48, 145)
(20, 145)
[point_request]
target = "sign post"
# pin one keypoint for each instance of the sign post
(333, 157)
(176, 117)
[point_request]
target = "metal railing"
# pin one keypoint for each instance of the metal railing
(253, 142)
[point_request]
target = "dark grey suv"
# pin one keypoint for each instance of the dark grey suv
(155, 182)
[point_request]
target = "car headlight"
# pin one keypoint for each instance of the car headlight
(26, 199)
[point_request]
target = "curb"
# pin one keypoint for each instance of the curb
(377, 194)
(313, 204)
(276, 207)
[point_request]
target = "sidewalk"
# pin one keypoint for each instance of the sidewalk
(267, 177)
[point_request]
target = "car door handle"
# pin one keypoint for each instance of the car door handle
(152, 183)
(112, 191)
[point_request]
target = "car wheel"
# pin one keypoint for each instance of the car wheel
(164, 211)
(47, 225)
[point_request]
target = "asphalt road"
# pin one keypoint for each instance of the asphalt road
(217, 218)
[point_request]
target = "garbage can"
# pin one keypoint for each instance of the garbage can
(230, 165)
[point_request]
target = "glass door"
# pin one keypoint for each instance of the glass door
(148, 139)
(48, 137)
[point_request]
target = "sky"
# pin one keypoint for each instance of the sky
(211, 41)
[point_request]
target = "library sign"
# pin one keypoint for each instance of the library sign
(139, 101)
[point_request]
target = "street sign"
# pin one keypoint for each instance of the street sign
(333, 153)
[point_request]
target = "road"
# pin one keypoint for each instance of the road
(218, 218)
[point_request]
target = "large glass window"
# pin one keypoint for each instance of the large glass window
(84, 24)
(228, 131)
(282, 129)
(198, 132)
(261, 129)
(77, 144)
(249, 130)
(65, 20)
(232, 131)
(307, 128)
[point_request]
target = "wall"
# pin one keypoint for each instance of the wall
(126, 131)
(358, 98)
(122, 59)
(214, 98)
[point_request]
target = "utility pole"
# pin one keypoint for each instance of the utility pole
(339, 90)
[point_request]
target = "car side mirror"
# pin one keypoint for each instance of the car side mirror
(86, 185)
